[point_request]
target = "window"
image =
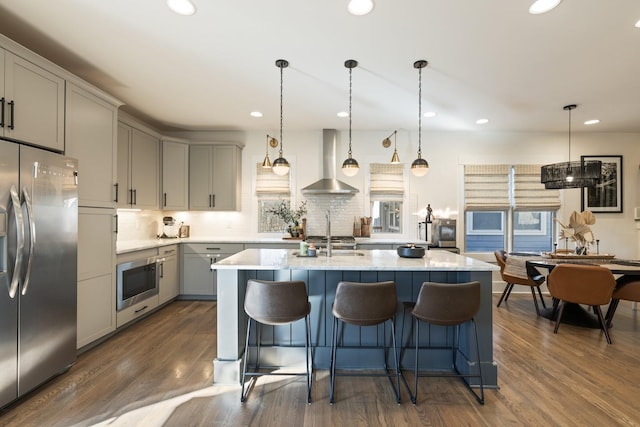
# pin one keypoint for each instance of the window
(386, 216)
(387, 193)
(508, 208)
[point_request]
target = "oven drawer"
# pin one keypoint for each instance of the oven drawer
(136, 310)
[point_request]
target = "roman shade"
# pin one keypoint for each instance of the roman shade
(529, 193)
(268, 182)
(387, 180)
(486, 187)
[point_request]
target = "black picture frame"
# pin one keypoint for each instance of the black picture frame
(606, 196)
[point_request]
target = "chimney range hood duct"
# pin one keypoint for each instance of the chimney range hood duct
(329, 184)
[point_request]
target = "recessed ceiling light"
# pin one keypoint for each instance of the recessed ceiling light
(256, 114)
(482, 121)
(638, 24)
(430, 114)
(343, 114)
(360, 7)
(182, 7)
(543, 6)
(592, 122)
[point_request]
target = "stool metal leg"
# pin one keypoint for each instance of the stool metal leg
(243, 395)
(332, 366)
(309, 358)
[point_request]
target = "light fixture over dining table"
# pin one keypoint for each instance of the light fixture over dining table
(571, 174)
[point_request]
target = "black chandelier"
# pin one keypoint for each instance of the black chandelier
(576, 174)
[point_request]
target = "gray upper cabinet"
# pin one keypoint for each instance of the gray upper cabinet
(32, 100)
(91, 126)
(175, 175)
(138, 168)
(215, 177)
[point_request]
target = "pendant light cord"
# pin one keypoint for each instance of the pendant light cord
(570, 134)
(350, 73)
(281, 70)
(419, 111)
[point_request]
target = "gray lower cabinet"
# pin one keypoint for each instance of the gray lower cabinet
(169, 274)
(198, 268)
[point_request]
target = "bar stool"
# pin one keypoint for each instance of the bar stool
(365, 304)
(448, 304)
(275, 303)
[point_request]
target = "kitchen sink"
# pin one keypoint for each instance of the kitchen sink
(334, 252)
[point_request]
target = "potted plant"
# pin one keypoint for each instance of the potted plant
(290, 217)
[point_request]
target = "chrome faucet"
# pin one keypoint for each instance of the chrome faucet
(328, 216)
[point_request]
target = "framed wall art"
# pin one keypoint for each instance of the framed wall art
(606, 196)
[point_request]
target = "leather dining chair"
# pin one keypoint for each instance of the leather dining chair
(627, 289)
(533, 282)
(365, 305)
(581, 284)
(275, 303)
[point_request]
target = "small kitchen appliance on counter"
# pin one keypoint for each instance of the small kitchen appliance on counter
(171, 229)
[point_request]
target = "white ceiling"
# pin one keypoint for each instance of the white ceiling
(487, 59)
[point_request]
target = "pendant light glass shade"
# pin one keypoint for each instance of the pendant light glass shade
(281, 165)
(420, 166)
(576, 174)
(350, 166)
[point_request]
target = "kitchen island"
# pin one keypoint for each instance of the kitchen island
(322, 275)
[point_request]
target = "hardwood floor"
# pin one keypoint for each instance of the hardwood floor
(158, 372)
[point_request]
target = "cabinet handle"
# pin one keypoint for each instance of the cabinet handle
(2, 112)
(141, 309)
(168, 251)
(214, 201)
(11, 122)
(209, 200)
(164, 200)
(116, 218)
(130, 200)
(213, 249)
(161, 270)
(135, 197)
(116, 188)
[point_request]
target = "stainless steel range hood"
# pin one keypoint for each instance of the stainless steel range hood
(329, 184)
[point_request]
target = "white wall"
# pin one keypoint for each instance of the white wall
(446, 152)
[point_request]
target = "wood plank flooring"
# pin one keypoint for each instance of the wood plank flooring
(159, 372)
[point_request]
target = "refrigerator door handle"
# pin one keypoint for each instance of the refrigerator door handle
(17, 212)
(32, 235)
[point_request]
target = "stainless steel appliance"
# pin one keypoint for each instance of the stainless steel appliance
(38, 267)
(444, 232)
(137, 280)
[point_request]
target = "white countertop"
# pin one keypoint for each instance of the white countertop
(287, 259)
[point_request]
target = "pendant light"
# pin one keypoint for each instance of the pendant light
(570, 174)
(350, 166)
(266, 163)
(386, 143)
(420, 166)
(281, 165)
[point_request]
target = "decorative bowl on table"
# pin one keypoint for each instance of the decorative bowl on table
(410, 251)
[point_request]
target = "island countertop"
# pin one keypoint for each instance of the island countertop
(377, 259)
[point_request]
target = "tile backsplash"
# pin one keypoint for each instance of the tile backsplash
(343, 208)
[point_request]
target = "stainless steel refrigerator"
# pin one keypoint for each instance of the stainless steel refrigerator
(38, 267)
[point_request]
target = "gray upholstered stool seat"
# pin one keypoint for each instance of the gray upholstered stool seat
(365, 304)
(448, 304)
(275, 303)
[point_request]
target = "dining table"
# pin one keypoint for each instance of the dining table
(575, 314)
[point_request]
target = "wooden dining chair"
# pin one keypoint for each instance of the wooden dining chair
(533, 282)
(581, 284)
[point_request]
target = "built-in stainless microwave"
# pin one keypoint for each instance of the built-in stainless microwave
(136, 280)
